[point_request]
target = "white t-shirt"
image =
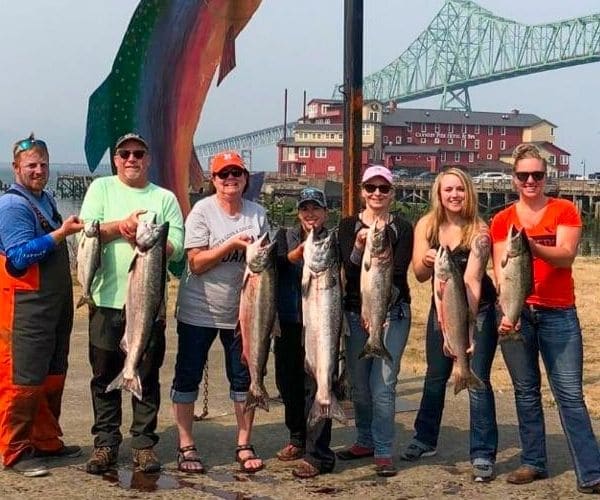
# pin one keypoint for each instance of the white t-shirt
(212, 299)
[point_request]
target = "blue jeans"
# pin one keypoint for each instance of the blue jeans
(193, 344)
(374, 380)
(483, 433)
(556, 335)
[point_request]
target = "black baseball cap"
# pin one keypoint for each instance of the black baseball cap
(131, 136)
(312, 194)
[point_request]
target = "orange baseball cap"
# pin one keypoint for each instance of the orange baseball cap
(226, 159)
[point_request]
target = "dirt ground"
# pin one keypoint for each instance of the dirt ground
(445, 475)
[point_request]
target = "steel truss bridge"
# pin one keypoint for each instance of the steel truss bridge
(463, 46)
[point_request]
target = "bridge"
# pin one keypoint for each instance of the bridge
(463, 46)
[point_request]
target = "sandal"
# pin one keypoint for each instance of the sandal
(184, 464)
(290, 452)
(305, 470)
(242, 461)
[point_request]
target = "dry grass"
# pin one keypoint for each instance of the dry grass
(586, 274)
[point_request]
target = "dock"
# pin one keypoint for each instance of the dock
(73, 187)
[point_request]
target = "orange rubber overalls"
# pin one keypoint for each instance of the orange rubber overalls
(36, 318)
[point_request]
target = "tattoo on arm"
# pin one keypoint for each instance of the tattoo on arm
(481, 249)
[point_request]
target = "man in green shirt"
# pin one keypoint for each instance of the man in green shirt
(118, 202)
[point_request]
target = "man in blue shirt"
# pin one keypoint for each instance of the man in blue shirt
(36, 315)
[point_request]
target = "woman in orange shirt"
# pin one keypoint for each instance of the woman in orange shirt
(548, 325)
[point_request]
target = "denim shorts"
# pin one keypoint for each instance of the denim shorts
(193, 344)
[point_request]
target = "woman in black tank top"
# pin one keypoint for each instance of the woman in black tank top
(452, 222)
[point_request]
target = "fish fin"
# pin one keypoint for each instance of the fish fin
(305, 285)
(117, 383)
(372, 351)
(135, 256)
(448, 352)
(460, 380)
(134, 385)
(98, 128)
(228, 55)
(86, 299)
(257, 396)
(475, 382)
(337, 412)
(367, 264)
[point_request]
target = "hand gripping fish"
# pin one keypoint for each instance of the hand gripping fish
(453, 315)
(257, 316)
(515, 282)
(322, 321)
(144, 301)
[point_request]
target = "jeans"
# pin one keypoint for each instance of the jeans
(193, 344)
(289, 378)
(374, 380)
(318, 438)
(556, 335)
(483, 433)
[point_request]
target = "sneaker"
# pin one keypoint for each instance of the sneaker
(70, 451)
(145, 460)
(103, 458)
(415, 451)
(589, 490)
(30, 466)
(384, 467)
(483, 472)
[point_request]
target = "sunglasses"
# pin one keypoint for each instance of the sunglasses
(371, 188)
(524, 176)
(27, 144)
(223, 174)
(124, 154)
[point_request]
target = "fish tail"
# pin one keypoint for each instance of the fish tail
(475, 382)
(320, 411)
(97, 135)
(375, 351)
(86, 299)
(336, 411)
(257, 396)
(133, 385)
(461, 379)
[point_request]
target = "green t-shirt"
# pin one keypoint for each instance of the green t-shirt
(108, 199)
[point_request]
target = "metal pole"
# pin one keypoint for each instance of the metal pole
(285, 116)
(353, 103)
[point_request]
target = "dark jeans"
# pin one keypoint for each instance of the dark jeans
(289, 377)
(483, 428)
(318, 438)
(193, 344)
(556, 335)
(106, 330)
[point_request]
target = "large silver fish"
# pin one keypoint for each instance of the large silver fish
(322, 319)
(376, 289)
(453, 315)
(88, 260)
(257, 316)
(144, 301)
(515, 282)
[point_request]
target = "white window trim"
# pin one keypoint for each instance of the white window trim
(456, 156)
(490, 144)
(321, 152)
(300, 150)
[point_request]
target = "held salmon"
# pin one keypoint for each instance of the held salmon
(515, 282)
(322, 321)
(376, 290)
(144, 301)
(450, 298)
(257, 316)
(88, 260)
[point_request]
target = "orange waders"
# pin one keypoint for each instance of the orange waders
(36, 318)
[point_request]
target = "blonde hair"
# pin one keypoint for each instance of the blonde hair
(525, 150)
(437, 214)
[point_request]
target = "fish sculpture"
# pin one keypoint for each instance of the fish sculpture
(159, 81)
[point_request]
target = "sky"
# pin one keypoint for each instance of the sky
(55, 53)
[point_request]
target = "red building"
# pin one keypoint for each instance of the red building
(417, 139)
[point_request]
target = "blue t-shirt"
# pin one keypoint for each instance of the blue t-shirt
(18, 222)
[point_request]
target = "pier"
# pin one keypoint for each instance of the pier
(73, 186)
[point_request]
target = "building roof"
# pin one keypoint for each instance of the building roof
(539, 144)
(319, 127)
(325, 101)
(401, 116)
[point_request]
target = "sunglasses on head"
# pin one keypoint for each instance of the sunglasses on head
(524, 176)
(27, 144)
(124, 154)
(383, 188)
(223, 174)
